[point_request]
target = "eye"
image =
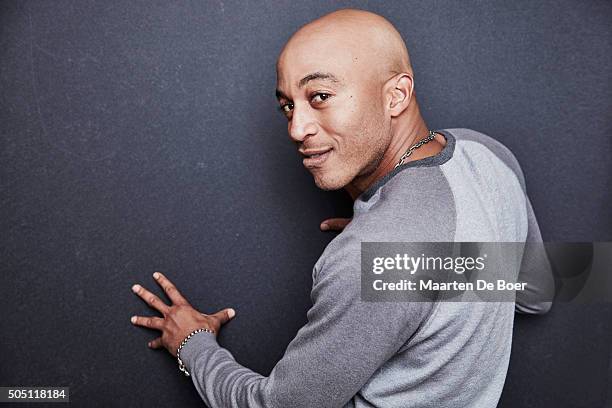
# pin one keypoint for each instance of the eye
(320, 97)
(286, 108)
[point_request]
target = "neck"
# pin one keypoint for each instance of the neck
(407, 130)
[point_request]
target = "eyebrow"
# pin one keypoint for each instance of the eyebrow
(317, 75)
(325, 76)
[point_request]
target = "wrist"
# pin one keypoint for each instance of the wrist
(182, 345)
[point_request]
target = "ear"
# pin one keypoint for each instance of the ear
(399, 93)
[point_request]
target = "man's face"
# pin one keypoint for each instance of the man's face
(334, 108)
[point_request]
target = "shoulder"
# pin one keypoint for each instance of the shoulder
(394, 215)
(416, 204)
(472, 141)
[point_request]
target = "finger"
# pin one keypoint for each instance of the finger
(171, 291)
(334, 224)
(156, 343)
(151, 299)
(225, 315)
(156, 323)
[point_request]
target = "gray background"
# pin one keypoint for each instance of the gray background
(144, 136)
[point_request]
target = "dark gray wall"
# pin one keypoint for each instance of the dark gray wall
(143, 136)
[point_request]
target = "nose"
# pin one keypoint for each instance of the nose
(302, 124)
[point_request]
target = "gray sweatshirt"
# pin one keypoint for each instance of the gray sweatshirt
(353, 353)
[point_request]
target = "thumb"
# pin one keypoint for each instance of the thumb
(334, 224)
(225, 315)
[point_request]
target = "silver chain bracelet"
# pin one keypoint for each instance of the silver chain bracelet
(178, 351)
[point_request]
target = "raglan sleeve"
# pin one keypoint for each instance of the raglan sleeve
(535, 270)
(343, 343)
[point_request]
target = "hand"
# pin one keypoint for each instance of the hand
(334, 224)
(179, 319)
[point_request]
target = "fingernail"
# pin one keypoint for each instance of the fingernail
(149, 344)
(231, 313)
(324, 227)
(133, 319)
(135, 288)
(156, 275)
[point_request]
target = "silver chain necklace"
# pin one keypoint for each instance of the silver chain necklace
(418, 144)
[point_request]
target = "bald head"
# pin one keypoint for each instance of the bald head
(345, 84)
(368, 41)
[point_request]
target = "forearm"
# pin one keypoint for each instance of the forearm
(219, 379)
(536, 271)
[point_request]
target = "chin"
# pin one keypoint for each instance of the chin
(329, 182)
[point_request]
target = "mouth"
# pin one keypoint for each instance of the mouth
(315, 158)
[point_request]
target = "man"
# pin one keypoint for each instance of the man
(346, 86)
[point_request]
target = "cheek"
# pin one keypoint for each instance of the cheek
(372, 142)
(365, 125)
(355, 128)
(348, 125)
